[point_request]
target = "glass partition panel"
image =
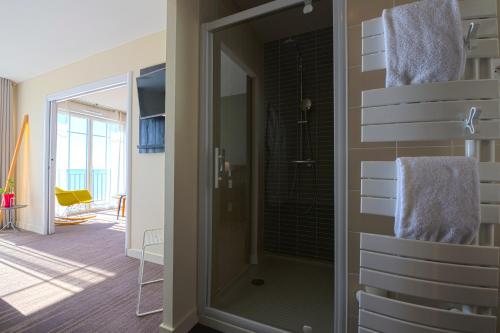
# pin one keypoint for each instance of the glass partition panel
(272, 210)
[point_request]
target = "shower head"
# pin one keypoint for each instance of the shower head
(308, 7)
(306, 104)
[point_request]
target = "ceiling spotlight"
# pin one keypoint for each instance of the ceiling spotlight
(308, 7)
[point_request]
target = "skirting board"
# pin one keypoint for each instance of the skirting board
(31, 227)
(186, 324)
(149, 256)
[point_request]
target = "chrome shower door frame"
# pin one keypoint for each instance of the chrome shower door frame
(208, 315)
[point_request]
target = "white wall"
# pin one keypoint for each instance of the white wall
(181, 170)
(147, 169)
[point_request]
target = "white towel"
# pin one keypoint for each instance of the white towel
(437, 199)
(423, 43)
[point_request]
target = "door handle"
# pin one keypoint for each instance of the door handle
(220, 160)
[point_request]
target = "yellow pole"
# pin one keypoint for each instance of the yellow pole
(13, 162)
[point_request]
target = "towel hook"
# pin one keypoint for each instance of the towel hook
(471, 121)
(471, 33)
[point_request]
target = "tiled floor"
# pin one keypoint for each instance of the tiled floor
(295, 293)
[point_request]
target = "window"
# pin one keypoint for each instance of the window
(90, 155)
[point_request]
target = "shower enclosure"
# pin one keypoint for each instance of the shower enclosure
(266, 199)
(298, 198)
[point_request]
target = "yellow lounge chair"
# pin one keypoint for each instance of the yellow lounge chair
(70, 199)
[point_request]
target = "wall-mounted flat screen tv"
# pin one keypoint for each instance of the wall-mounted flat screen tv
(151, 92)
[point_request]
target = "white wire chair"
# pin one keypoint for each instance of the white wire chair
(151, 237)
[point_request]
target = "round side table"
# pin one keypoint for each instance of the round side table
(10, 216)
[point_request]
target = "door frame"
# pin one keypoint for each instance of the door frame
(216, 318)
(341, 141)
(50, 136)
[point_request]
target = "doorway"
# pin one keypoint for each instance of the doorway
(88, 155)
(267, 246)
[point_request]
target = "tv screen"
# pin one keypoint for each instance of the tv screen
(151, 91)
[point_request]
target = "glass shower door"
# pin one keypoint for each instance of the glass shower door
(232, 158)
(267, 217)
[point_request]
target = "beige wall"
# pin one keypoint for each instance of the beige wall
(181, 169)
(147, 169)
(358, 11)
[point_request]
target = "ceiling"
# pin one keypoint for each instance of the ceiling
(116, 98)
(39, 36)
(289, 22)
(246, 4)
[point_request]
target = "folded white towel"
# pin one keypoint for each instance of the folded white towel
(423, 42)
(437, 199)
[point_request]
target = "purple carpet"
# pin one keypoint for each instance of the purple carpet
(77, 280)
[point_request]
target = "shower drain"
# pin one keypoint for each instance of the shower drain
(258, 282)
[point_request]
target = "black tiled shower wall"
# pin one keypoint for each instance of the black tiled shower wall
(299, 199)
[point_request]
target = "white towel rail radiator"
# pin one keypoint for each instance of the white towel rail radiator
(468, 110)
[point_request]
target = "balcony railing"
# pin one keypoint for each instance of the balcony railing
(76, 179)
(100, 185)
